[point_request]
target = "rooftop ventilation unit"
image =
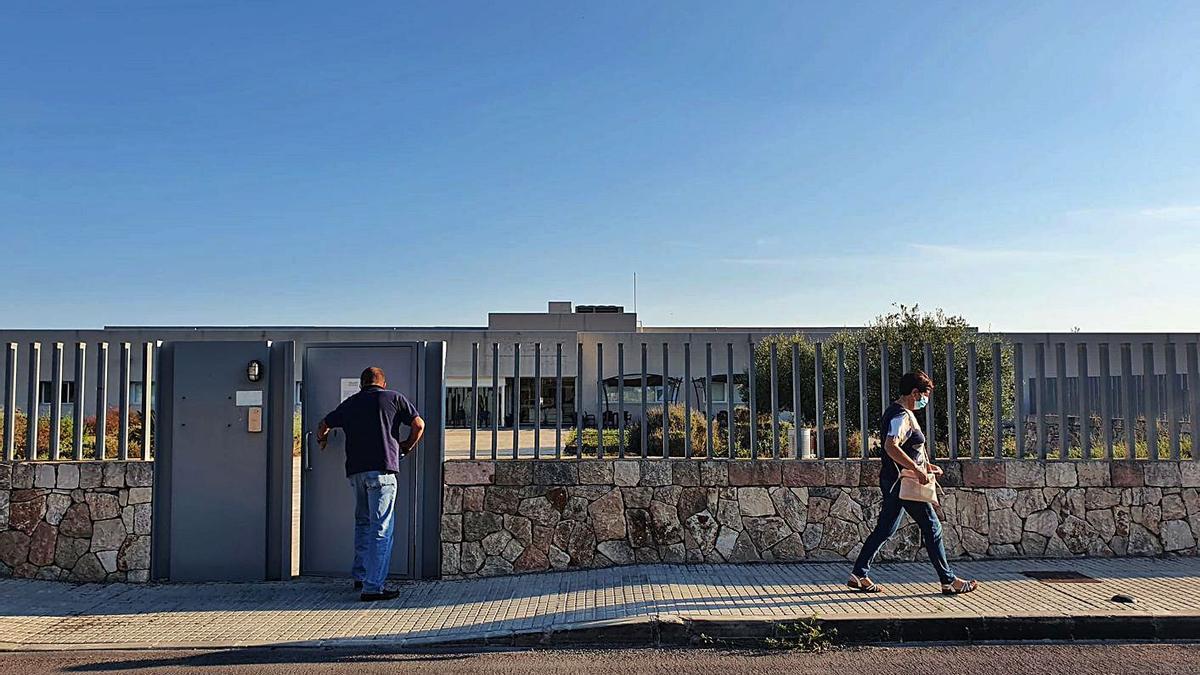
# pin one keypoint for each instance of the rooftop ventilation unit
(599, 309)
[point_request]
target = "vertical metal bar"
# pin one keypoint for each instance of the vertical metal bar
(123, 437)
(930, 416)
(864, 438)
(730, 427)
(951, 403)
(1064, 423)
(32, 410)
(708, 408)
(601, 400)
(666, 400)
(474, 395)
(799, 419)
(81, 381)
(997, 403)
(147, 399)
(56, 381)
(537, 400)
(885, 378)
(516, 401)
(1085, 408)
(1172, 400)
(1106, 411)
(819, 396)
(644, 426)
(1019, 412)
(558, 401)
(495, 399)
(1041, 389)
(101, 400)
(774, 401)
(1130, 401)
(1193, 366)
(10, 403)
(905, 358)
(579, 400)
(752, 384)
(841, 400)
(621, 400)
(1150, 384)
(687, 400)
(973, 397)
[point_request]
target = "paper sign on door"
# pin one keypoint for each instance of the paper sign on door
(349, 388)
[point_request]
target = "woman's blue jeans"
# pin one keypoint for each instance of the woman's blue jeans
(374, 521)
(889, 521)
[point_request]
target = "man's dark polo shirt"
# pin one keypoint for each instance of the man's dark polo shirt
(371, 420)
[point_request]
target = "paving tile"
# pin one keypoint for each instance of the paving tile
(44, 614)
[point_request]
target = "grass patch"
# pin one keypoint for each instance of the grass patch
(804, 636)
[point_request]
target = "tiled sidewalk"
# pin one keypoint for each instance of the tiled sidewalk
(42, 615)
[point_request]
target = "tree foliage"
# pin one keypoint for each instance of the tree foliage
(927, 334)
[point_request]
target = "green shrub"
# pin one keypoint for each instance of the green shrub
(611, 439)
(677, 429)
(741, 436)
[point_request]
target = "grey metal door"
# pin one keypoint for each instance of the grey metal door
(224, 450)
(331, 373)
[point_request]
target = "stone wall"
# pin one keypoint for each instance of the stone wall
(522, 516)
(76, 521)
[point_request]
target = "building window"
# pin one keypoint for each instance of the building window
(135, 393)
(46, 392)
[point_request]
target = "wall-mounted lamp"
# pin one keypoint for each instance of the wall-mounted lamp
(254, 370)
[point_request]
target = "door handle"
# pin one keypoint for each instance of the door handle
(308, 451)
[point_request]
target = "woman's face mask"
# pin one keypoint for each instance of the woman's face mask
(922, 401)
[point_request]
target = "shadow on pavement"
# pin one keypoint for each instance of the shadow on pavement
(270, 656)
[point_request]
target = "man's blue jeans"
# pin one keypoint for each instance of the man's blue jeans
(374, 521)
(889, 520)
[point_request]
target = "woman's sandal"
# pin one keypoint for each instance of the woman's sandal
(863, 585)
(964, 587)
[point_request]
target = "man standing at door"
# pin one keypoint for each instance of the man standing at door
(371, 420)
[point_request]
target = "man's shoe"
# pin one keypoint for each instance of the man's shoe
(382, 595)
(358, 585)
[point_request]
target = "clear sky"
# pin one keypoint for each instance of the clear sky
(1032, 166)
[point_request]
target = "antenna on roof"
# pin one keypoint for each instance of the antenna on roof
(635, 292)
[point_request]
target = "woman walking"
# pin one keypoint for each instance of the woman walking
(904, 451)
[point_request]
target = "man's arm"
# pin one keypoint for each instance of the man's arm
(417, 430)
(333, 420)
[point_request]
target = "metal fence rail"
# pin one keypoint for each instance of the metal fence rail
(778, 404)
(30, 435)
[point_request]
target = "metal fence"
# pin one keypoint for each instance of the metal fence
(718, 406)
(89, 438)
(981, 408)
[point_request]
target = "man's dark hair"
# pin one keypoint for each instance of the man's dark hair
(918, 380)
(371, 376)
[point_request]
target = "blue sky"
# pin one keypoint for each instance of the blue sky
(1032, 166)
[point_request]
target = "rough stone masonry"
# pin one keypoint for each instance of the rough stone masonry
(76, 521)
(505, 517)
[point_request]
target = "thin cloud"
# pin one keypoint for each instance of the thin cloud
(757, 262)
(1160, 213)
(1171, 212)
(966, 254)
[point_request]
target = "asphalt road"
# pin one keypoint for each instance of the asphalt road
(1056, 659)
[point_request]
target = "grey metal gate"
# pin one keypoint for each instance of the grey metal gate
(331, 374)
(222, 510)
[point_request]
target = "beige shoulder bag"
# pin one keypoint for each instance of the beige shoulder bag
(910, 487)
